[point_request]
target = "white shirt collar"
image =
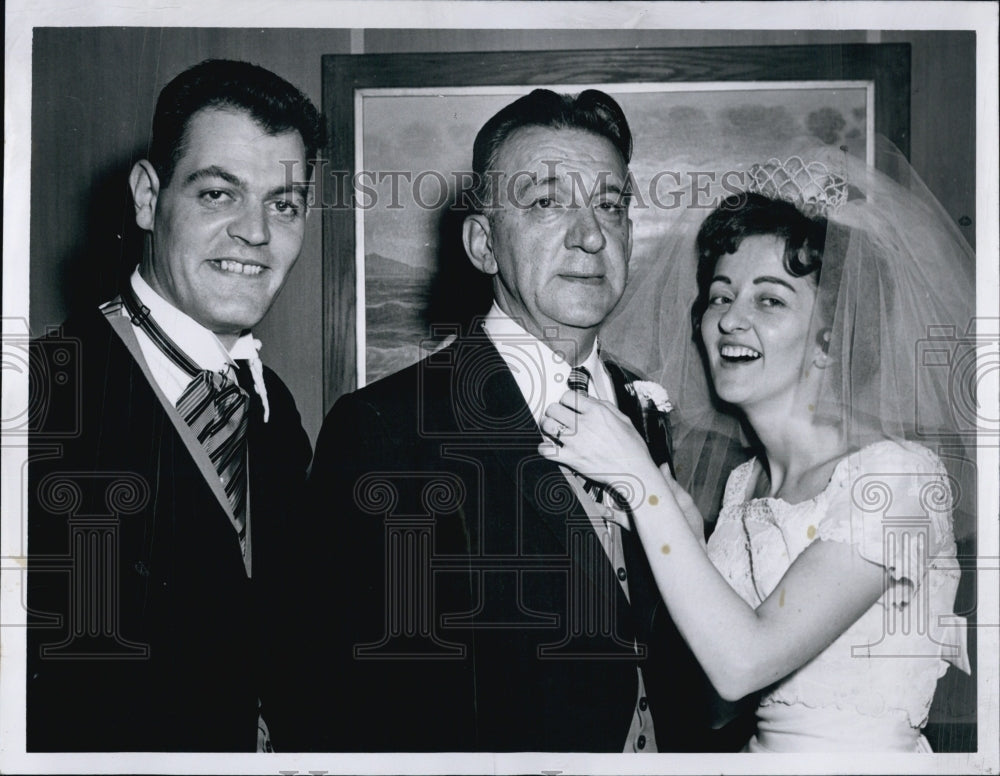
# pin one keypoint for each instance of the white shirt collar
(201, 345)
(197, 342)
(540, 371)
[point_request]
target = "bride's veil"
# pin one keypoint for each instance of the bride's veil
(896, 302)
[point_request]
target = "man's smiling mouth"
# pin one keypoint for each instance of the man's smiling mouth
(237, 267)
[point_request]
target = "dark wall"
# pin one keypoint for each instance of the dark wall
(93, 96)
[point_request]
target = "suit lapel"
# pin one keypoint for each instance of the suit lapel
(623, 397)
(123, 328)
(543, 485)
(642, 587)
(502, 396)
(653, 426)
(261, 438)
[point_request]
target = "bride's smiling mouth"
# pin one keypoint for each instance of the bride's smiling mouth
(738, 354)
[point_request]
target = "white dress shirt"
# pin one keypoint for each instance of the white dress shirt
(197, 342)
(540, 371)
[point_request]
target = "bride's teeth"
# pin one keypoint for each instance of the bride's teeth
(738, 351)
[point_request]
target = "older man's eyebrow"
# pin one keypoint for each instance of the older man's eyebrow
(214, 171)
(524, 183)
(601, 186)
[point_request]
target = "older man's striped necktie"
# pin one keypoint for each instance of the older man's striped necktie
(579, 381)
(215, 408)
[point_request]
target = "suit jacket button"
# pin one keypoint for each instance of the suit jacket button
(641, 742)
(621, 574)
(643, 703)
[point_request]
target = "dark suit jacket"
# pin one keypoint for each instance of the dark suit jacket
(470, 605)
(154, 637)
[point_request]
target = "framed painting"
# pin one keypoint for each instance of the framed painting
(400, 152)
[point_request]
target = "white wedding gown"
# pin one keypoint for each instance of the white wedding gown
(871, 689)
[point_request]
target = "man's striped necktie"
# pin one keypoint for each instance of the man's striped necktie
(579, 381)
(215, 408)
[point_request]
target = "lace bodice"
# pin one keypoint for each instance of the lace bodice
(893, 503)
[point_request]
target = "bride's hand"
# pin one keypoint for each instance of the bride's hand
(594, 438)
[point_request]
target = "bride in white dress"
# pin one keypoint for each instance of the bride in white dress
(829, 581)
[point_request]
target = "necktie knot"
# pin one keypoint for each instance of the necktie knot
(579, 379)
(214, 406)
(229, 397)
(217, 382)
(208, 387)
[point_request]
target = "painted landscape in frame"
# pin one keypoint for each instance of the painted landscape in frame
(693, 142)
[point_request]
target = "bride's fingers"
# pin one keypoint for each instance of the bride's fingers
(561, 414)
(612, 410)
(576, 401)
(551, 449)
(552, 428)
(582, 404)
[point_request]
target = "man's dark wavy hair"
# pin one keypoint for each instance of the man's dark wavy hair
(591, 111)
(270, 100)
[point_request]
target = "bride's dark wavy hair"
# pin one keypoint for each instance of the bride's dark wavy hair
(748, 215)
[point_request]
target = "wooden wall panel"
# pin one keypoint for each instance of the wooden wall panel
(943, 109)
(400, 41)
(93, 96)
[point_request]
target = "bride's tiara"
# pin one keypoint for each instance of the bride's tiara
(812, 187)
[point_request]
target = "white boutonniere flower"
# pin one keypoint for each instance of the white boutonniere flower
(652, 393)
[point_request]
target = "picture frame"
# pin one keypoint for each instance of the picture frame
(883, 69)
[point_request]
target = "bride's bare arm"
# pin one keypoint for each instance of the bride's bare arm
(740, 648)
(686, 504)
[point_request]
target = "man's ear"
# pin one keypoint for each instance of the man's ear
(145, 186)
(477, 237)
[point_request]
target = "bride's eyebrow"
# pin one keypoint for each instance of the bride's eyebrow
(772, 279)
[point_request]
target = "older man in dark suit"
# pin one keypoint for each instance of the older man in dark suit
(167, 468)
(483, 599)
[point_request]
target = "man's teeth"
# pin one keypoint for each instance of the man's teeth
(738, 351)
(242, 269)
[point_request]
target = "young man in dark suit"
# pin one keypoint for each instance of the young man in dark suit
(167, 469)
(482, 598)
